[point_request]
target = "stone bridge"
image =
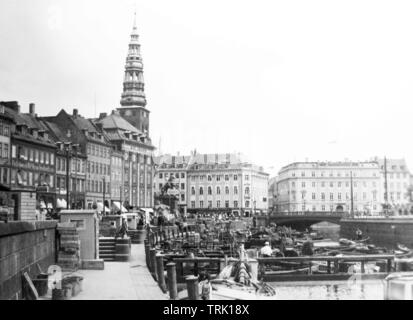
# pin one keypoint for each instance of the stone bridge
(302, 220)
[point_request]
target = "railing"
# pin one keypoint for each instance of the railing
(262, 262)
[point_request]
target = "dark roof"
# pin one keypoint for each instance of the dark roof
(115, 121)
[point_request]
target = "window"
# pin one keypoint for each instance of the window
(226, 204)
(303, 184)
(182, 175)
(235, 177)
(235, 204)
(201, 204)
(193, 190)
(226, 190)
(302, 194)
(218, 190)
(247, 177)
(331, 196)
(160, 186)
(323, 208)
(177, 175)
(218, 177)
(247, 190)
(201, 190)
(182, 186)
(226, 177)
(182, 197)
(323, 196)
(339, 196)
(235, 190)
(313, 196)
(218, 204)
(247, 204)
(160, 175)
(209, 190)
(209, 204)
(192, 204)
(209, 178)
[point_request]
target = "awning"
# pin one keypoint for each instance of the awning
(100, 207)
(116, 204)
(61, 204)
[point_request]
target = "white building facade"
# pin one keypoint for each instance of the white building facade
(326, 187)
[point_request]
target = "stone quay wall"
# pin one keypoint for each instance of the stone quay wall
(24, 244)
(385, 232)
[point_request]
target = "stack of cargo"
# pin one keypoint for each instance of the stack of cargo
(69, 248)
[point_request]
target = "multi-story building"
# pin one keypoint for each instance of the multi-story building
(329, 186)
(6, 124)
(398, 183)
(33, 170)
(168, 166)
(131, 137)
(89, 161)
(226, 183)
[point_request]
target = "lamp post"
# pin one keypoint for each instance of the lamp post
(104, 191)
(68, 148)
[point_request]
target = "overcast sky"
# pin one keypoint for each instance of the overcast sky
(280, 81)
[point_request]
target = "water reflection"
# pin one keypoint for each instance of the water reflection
(338, 290)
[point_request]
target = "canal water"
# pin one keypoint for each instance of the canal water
(331, 290)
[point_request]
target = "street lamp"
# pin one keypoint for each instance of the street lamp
(68, 148)
(104, 194)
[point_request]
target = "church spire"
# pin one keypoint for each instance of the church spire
(133, 84)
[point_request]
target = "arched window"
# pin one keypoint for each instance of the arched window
(218, 190)
(193, 190)
(209, 190)
(201, 190)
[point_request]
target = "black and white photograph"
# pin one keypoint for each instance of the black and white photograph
(206, 150)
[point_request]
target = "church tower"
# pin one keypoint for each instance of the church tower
(133, 101)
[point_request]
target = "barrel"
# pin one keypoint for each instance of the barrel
(122, 249)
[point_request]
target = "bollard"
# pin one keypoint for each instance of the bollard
(192, 287)
(172, 285)
(389, 265)
(152, 253)
(160, 272)
(147, 251)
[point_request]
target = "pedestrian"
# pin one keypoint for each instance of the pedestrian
(206, 287)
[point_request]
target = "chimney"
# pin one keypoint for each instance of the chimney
(102, 115)
(32, 109)
(75, 112)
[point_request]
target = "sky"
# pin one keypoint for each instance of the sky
(279, 81)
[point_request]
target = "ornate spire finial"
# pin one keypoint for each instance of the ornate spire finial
(134, 19)
(133, 84)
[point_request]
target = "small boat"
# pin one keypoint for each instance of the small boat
(304, 270)
(234, 283)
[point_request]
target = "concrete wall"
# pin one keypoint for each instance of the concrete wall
(386, 232)
(22, 245)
